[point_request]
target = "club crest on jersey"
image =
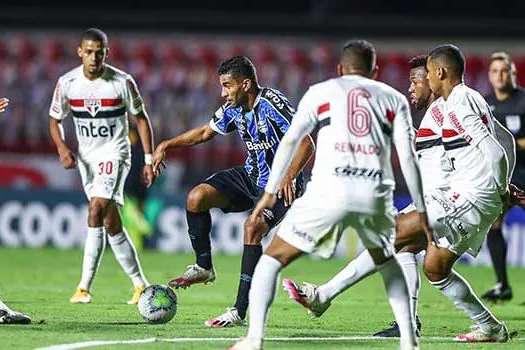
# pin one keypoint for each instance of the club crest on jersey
(92, 105)
(262, 126)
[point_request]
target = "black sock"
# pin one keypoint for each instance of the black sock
(250, 257)
(498, 253)
(199, 227)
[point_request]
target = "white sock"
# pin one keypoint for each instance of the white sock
(359, 268)
(262, 293)
(397, 291)
(458, 290)
(127, 257)
(93, 252)
(408, 264)
(4, 307)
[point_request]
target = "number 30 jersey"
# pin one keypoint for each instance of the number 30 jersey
(358, 119)
(99, 108)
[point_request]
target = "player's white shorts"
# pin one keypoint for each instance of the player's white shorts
(314, 228)
(104, 178)
(458, 224)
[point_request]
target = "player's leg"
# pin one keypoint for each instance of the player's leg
(438, 269)
(93, 249)
(498, 253)
(262, 292)
(228, 190)
(376, 232)
(8, 316)
(124, 250)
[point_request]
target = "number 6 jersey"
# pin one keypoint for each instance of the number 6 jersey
(358, 119)
(99, 110)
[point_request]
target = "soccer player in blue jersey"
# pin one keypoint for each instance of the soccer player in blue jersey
(261, 117)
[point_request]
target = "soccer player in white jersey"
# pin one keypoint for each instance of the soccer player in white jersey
(8, 316)
(460, 214)
(351, 186)
(100, 97)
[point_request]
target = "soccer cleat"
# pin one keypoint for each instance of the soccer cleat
(194, 274)
(247, 344)
(13, 317)
(393, 330)
(307, 296)
(136, 295)
(81, 296)
(498, 334)
(230, 318)
(498, 293)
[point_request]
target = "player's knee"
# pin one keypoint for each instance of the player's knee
(96, 212)
(434, 272)
(196, 200)
(253, 233)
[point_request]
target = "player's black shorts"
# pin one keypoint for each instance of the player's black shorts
(235, 183)
(518, 177)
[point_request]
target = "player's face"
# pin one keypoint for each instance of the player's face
(500, 75)
(419, 90)
(93, 55)
(434, 75)
(233, 90)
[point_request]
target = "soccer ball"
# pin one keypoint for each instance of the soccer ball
(157, 304)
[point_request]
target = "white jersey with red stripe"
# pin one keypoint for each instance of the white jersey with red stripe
(358, 119)
(468, 120)
(431, 155)
(99, 108)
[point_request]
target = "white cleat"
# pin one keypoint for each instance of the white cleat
(194, 274)
(498, 334)
(230, 318)
(307, 296)
(247, 344)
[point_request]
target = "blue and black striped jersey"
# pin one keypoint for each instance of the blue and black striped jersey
(261, 129)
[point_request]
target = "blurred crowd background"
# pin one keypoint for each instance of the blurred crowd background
(178, 79)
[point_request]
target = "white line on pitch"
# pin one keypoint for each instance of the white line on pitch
(94, 343)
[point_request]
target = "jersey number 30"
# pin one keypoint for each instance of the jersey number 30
(359, 117)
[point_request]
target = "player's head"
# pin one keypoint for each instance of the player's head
(93, 50)
(358, 57)
(419, 90)
(238, 78)
(445, 63)
(502, 72)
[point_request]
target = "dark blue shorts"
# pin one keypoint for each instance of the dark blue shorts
(243, 194)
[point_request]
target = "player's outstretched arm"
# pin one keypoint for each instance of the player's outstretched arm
(303, 155)
(146, 137)
(67, 158)
(189, 138)
(4, 102)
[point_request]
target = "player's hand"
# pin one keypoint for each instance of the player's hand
(267, 201)
(148, 175)
(4, 102)
(517, 195)
(287, 190)
(423, 221)
(67, 158)
(158, 158)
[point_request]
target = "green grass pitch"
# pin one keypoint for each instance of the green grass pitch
(40, 282)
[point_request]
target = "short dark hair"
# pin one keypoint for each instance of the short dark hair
(239, 67)
(358, 54)
(95, 34)
(501, 56)
(418, 61)
(451, 56)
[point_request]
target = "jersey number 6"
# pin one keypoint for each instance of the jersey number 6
(359, 117)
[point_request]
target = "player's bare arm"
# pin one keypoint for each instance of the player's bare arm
(146, 137)
(304, 153)
(67, 158)
(189, 138)
(4, 102)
